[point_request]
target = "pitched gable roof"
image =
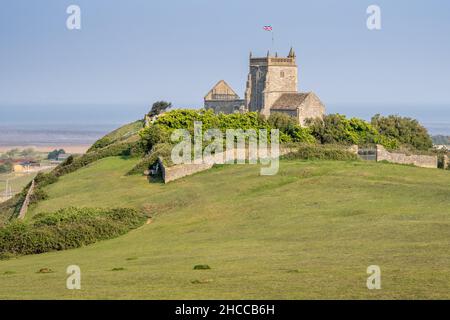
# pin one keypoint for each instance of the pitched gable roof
(290, 101)
(221, 88)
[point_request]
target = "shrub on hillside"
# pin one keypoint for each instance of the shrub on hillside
(406, 130)
(336, 128)
(281, 121)
(153, 135)
(319, 152)
(66, 229)
(160, 131)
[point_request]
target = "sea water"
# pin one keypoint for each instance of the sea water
(62, 125)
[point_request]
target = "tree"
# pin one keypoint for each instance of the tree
(6, 167)
(406, 130)
(159, 107)
(281, 121)
(53, 155)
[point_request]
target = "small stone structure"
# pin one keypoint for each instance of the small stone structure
(446, 162)
(417, 160)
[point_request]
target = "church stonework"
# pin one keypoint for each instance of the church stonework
(272, 86)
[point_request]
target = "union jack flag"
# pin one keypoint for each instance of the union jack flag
(268, 28)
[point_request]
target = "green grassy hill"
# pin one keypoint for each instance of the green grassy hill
(308, 232)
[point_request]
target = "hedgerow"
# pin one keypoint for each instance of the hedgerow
(66, 229)
(320, 152)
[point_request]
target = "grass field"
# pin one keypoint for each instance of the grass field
(308, 232)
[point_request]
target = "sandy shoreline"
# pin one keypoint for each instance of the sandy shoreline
(82, 148)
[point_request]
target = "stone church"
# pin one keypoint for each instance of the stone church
(271, 87)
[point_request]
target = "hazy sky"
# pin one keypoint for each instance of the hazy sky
(138, 51)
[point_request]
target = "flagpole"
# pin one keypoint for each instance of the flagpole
(273, 42)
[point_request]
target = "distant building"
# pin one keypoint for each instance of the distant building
(221, 98)
(272, 86)
(26, 166)
(63, 156)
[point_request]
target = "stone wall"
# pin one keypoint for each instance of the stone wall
(24, 209)
(446, 162)
(182, 170)
(225, 106)
(417, 160)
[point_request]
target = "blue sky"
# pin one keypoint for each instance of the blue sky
(138, 51)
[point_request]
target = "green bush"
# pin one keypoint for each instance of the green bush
(406, 130)
(336, 128)
(160, 131)
(281, 121)
(66, 229)
(6, 167)
(154, 134)
(320, 152)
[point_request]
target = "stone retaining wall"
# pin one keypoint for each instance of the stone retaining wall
(182, 170)
(417, 160)
(26, 202)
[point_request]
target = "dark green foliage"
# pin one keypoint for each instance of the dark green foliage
(66, 229)
(185, 118)
(405, 130)
(202, 267)
(154, 134)
(336, 128)
(159, 132)
(159, 107)
(6, 167)
(281, 121)
(53, 155)
(118, 269)
(320, 152)
(290, 130)
(38, 195)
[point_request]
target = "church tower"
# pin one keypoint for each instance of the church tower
(270, 77)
